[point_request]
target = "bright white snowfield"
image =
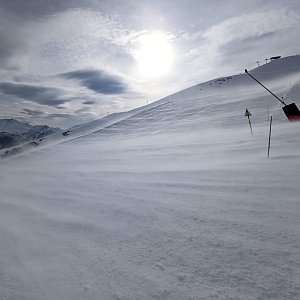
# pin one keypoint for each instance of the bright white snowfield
(175, 200)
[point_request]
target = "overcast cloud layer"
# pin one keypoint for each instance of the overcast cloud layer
(64, 62)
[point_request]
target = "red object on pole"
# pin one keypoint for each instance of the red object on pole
(292, 112)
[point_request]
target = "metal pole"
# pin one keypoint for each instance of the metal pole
(250, 125)
(269, 145)
(248, 114)
(265, 87)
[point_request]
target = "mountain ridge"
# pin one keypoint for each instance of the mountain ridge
(14, 132)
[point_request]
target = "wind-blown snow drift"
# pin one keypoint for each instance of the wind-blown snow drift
(175, 200)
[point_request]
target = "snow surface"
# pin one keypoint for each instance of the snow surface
(175, 200)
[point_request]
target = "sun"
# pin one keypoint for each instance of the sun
(154, 55)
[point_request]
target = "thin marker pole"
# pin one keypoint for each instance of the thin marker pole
(250, 125)
(248, 114)
(269, 145)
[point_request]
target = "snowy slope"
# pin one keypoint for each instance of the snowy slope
(175, 200)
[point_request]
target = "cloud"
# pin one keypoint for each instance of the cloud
(82, 110)
(33, 8)
(48, 96)
(11, 40)
(238, 42)
(89, 102)
(31, 112)
(250, 25)
(66, 120)
(58, 36)
(98, 81)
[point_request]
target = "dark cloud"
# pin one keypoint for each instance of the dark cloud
(98, 81)
(36, 8)
(6, 47)
(82, 110)
(59, 115)
(89, 102)
(31, 112)
(10, 38)
(39, 94)
(29, 9)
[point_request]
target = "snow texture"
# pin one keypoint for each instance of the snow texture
(174, 200)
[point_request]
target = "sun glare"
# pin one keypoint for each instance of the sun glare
(154, 56)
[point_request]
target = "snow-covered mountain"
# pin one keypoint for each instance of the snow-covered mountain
(14, 132)
(14, 126)
(173, 200)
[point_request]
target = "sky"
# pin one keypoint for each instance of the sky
(66, 62)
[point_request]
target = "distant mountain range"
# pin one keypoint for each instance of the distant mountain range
(14, 132)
